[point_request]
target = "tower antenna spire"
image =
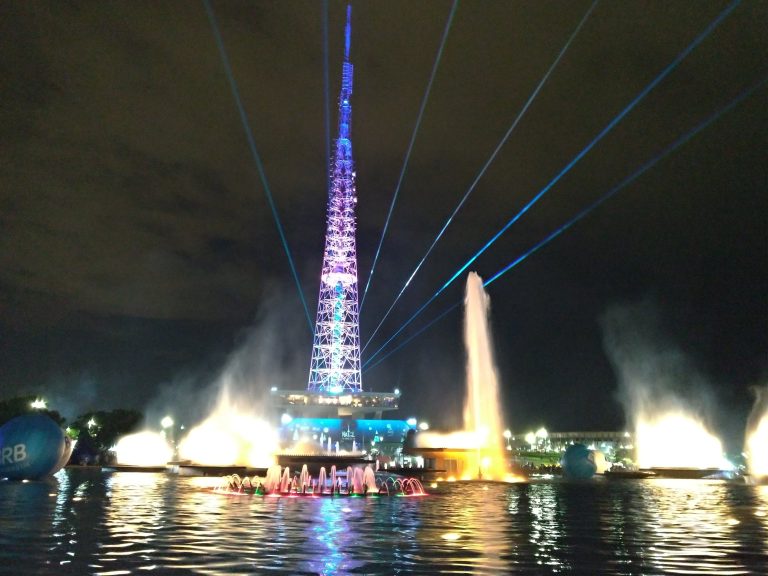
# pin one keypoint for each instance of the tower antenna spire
(335, 363)
(348, 33)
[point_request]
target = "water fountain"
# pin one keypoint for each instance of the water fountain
(355, 481)
(478, 449)
(481, 409)
(756, 438)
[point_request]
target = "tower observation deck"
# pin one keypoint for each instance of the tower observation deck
(334, 374)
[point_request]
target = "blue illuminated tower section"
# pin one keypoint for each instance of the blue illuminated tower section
(335, 365)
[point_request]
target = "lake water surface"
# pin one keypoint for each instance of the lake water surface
(89, 522)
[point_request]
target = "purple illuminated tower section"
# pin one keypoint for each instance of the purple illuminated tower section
(335, 365)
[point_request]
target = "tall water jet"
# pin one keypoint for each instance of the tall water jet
(482, 414)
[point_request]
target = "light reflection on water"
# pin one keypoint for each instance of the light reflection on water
(86, 522)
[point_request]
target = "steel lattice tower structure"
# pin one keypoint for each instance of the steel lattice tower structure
(335, 364)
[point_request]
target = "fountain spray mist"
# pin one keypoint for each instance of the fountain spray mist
(667, 400)
(482, 412)
(756, 437)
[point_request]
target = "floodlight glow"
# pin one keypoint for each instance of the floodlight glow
(39, 404)
(411, 421)
(286, 418)
(143, 449)
(675, 439)
(166, 422)
(530, 438)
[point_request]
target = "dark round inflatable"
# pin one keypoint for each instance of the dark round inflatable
(32, 446)
(578, 462)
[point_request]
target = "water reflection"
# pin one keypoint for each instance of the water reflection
(546, 525)
(86, 522)
(133, 518)
(333, 538)
(692, 527)
(761, 512)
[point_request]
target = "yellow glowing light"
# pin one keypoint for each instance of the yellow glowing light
(451, 479)
(732, 521)
(511, 478)
(677, 440)
(433, 485)
(757, 448)
(450, 536)
(462, 440)
(486, 462)
(143, 449)
(530, 438)
(39, 404)
(230, 437)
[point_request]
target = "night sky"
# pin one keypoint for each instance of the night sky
(138, 251)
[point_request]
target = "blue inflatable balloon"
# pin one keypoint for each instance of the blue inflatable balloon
(578, 462)
(32, 446)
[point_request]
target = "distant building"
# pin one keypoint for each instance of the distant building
(381, 439)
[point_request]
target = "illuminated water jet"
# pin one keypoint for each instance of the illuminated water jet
(477, 451)
(756, 437)
(143, 449)
(757, 449)
(481, 408)
(355, 481)
(675, 439)
(230, 436)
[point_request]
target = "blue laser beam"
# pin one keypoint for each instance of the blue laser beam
(610, 126)
(434, 321)
(410, 146)
(631, 178)
(682, 140)
(490, 160)
(255, 154)
(663, 74)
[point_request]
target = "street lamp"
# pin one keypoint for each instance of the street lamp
(39, 404)
(423, 426)
(508, 436)
(167, 424)
(530, 438)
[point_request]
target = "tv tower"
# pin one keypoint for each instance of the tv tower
(335, 363)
